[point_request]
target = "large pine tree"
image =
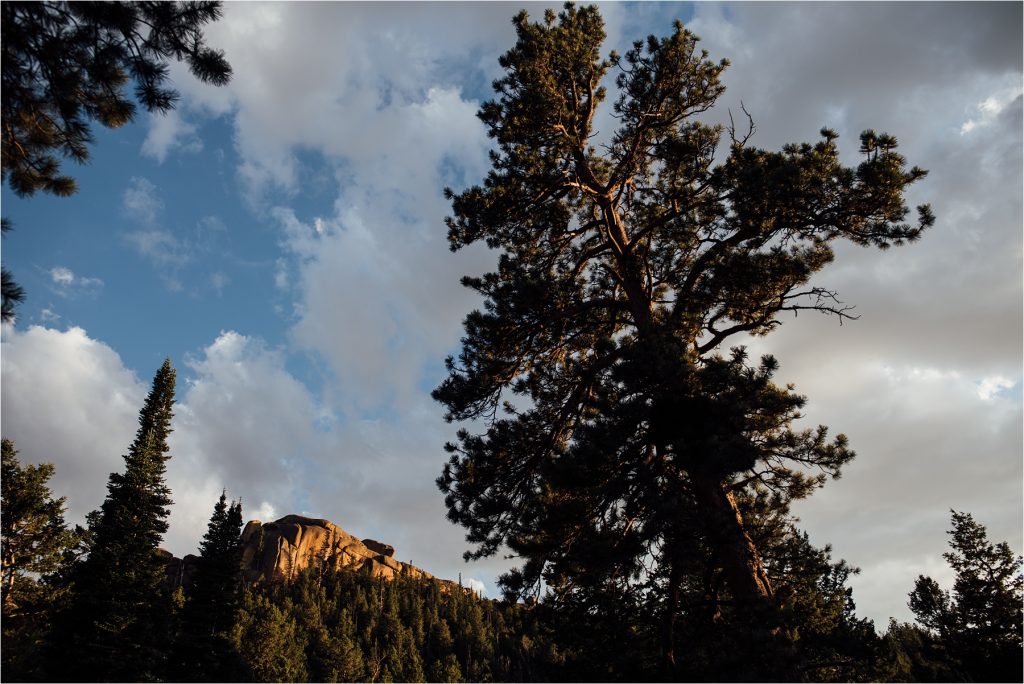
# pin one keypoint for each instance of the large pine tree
(613, 429)
(118, 620)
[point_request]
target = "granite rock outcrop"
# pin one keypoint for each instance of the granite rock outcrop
(279, 550)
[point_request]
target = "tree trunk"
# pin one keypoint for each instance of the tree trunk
(671, 614)
(741, 563)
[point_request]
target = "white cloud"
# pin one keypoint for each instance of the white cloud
(988, 110)
(218, 281)
(68, 400)
(67, 284)
(989, 388)
(160, 246)
(48, 316)
(281, 274)
(168, 131)
(61, 275)
(140, 201)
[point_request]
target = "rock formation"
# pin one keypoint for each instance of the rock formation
(180, 571)
(380, 547)
(278, 550)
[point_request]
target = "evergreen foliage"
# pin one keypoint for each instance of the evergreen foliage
(616, 437)
(66, 63)
(34, 541)
(34, 534)
(203, 649)
(119, 619)
(342, 625)
(912, 654)
(980, 623)
(12, 293)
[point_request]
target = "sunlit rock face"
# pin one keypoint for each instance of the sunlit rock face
(280, 549)
(277, 551)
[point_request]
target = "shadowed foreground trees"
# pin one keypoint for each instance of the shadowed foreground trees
(616, 438)
(203, 650)
(35, 542)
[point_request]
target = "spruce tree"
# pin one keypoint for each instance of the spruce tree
(612, 428)
(121, 608)
(204, 651)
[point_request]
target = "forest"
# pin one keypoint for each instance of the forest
(614, 436)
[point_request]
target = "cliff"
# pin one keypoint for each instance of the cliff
(277, 551)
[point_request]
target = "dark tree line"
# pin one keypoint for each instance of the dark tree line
(341, 625)
(96, 604)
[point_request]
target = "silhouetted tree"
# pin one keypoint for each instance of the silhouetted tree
(34, 534)
(610, 421)
(980, 622)
(66, 63)
(204, 651)
(118, 619)
(13, 294)
(912, 654)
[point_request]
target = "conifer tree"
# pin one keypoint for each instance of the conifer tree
(120, 611)
(613, 428)
(34, 535)
(204, 651)
(34, 541)
(980, 623)
(12, 294)
(67, 63)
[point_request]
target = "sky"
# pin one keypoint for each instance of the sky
(282, 240)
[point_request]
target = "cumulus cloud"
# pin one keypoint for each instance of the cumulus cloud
(69, 400)
(242, 423)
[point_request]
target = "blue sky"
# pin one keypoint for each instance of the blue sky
(282, 240)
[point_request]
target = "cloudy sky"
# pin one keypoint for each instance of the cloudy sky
(282, 240)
